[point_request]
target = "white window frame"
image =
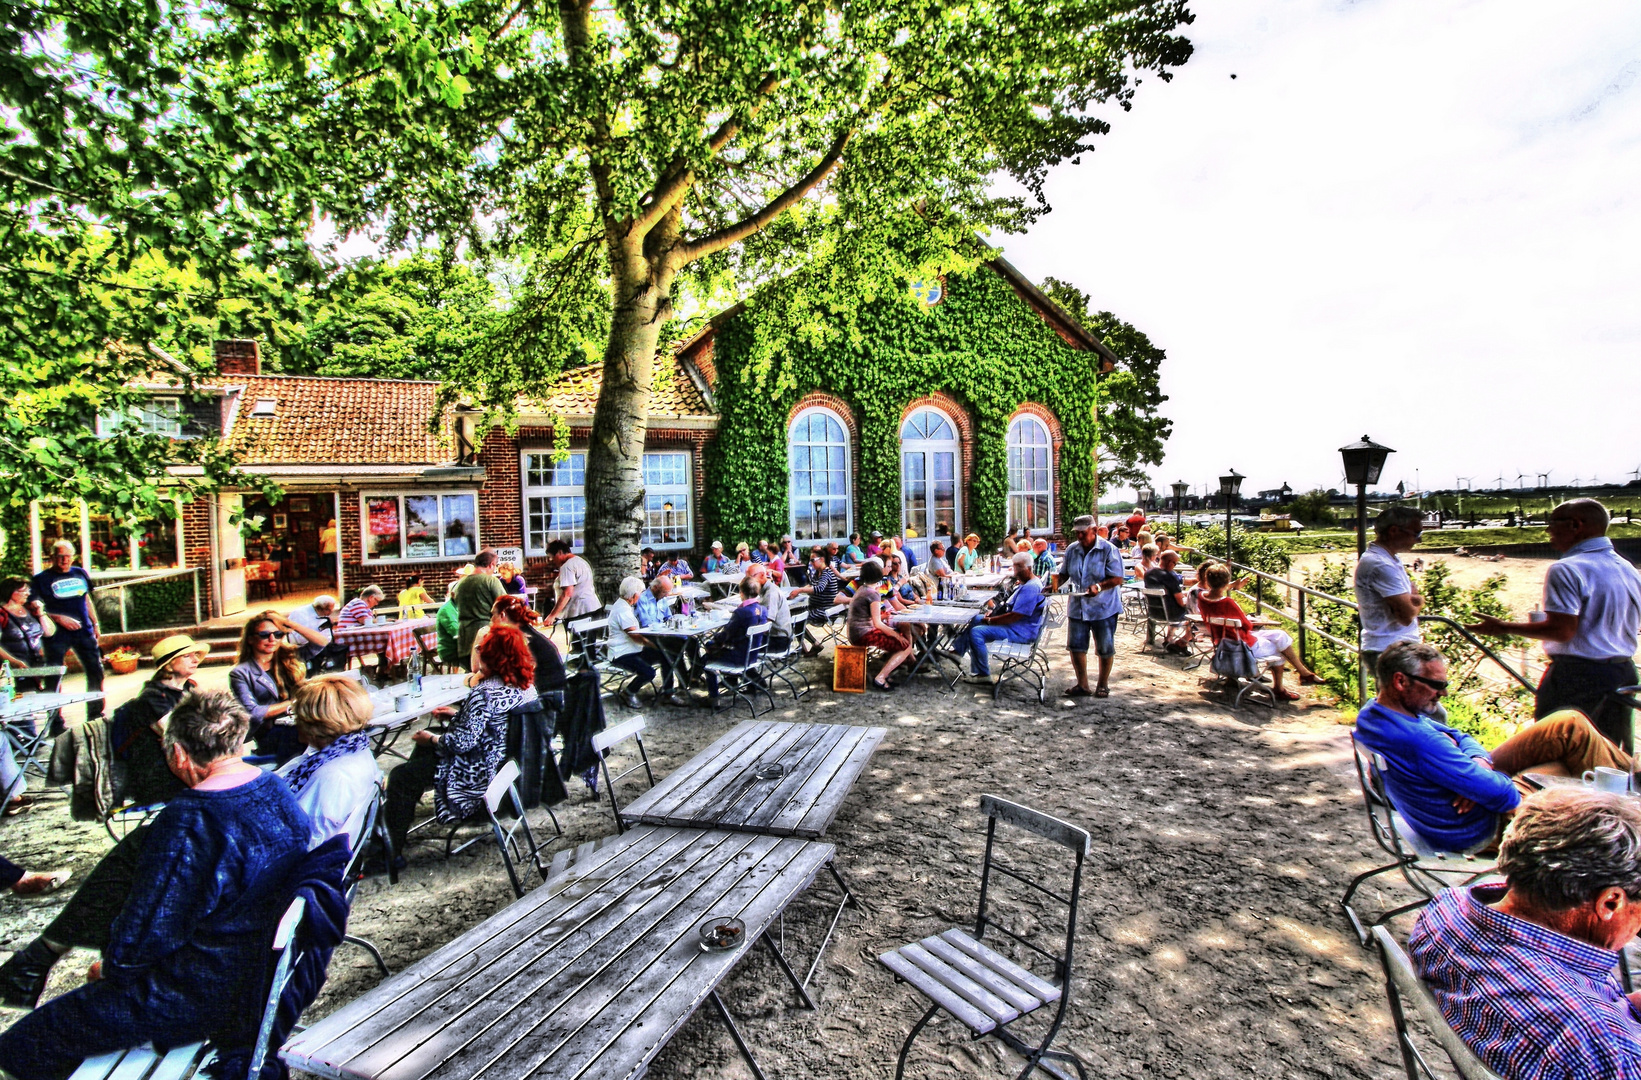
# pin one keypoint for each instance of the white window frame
(548, 491)
(848, 478)
(675, 493)
(400, 493)
(954, 445)
(145, 418)
(1009, 445)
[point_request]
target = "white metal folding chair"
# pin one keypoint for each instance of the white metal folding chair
(604, 741)
(1264, 692)
(736, 677)
(589, 648)
(1027, 661)
(1407, 991)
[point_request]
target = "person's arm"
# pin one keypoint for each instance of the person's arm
(91, 607)
(290, 627)
(565, 592)
(632, 629)
(239, 681)
(1444, 762)
(174, 887)
(1562, 605)
(878, 622)
(48, 626)
(467, 728)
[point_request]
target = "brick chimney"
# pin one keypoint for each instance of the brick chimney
(238, 358)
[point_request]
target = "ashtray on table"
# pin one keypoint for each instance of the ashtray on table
(722, 934)
(769, 770)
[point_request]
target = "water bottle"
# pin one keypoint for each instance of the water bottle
(8, 684)
(414, 667)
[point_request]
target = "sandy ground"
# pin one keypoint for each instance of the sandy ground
(1210, 941)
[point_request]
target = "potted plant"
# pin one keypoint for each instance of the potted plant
(123, 660)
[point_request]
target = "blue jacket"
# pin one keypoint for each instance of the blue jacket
(730, 643)
(1427, 764)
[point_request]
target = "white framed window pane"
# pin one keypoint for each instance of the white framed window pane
(382, 530)
(421, 526)
(461, 525)
(1031, 474)
(818, 470)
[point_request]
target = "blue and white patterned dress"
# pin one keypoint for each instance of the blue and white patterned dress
(472, 749)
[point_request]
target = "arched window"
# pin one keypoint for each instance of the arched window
(928, 476)
(1031, 474)
(818, 464)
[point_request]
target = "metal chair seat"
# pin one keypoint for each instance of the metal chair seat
(1027, 661)
(979, 986)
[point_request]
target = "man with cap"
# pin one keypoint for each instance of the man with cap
(1093, 567)
(875, 548)
(717, 562)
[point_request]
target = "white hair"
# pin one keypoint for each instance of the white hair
(371, 590)
(323, 601)
(64, 545)
(631, 586)
(1022, 558)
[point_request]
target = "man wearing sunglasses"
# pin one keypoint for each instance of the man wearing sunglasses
(1452, 791)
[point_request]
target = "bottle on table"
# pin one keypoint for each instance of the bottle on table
(413, 668)
(8, 683)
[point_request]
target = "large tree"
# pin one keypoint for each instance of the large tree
(1132, 429)
(628, 149)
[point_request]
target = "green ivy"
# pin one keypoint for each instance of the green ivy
(982, 346)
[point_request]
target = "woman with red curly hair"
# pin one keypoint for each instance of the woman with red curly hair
(459, 761)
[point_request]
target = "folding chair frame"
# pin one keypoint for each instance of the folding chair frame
(1404, 988)
(604, 740)
(1032, 668)
(1077, 840)
(737, 678)
(589, 646)
(1425, 876)
(371, 828)
(502, 784)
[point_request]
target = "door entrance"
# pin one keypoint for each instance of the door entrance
(929, 504)
(230, 554)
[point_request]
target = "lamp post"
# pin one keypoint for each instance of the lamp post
(1363, 462)
(1229, 486)
(666, 534)
(1180, 488)
(817, 530)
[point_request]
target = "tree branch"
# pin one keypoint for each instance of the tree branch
(734, 234)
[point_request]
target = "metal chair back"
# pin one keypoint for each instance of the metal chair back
(284, 943)
(503, 786)
(1050, 828)
(1407, 991)
(604, 741)
(589, 640)
(370, 827)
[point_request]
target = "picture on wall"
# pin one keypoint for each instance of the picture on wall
(301, 504)
(281, 521)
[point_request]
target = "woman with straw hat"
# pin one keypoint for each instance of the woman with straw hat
(139, 726)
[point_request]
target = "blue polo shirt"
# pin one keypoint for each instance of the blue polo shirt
(67, 593)
(1083, 567)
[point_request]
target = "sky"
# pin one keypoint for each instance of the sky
(1414, 219)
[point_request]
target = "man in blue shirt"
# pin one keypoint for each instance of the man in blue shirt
(1020, 622)
(64, 590)
(1094, 569)
(1442, 781)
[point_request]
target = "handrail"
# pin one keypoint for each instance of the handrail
(134, 579)
(1305, 627)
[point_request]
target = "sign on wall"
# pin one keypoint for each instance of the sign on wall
(514, 555)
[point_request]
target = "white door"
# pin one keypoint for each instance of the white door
(928, 479)
(231, 554)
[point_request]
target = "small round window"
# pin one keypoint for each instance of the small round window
(929, 293)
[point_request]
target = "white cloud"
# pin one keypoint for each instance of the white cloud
(1414, 218)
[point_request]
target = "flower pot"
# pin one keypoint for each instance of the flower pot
(122, 665)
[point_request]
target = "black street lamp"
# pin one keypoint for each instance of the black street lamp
(1180, 488)
(1229, 487)
(816, 535)
(1363, 462)
(666, 534)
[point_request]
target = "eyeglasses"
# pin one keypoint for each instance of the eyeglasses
(264, 635)
(1439, 685)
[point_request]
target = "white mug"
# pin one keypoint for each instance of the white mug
(403, 703)
(1604, 779)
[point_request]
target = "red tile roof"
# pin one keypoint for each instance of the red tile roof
(672, 394)
(320, 421)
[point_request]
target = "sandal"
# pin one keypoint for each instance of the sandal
(1284, 695)
(885, 687)
(35, 884)
(1077, 691)
(1102, 691)
(1313, 679)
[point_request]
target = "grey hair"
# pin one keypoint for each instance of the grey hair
(64, 545)
(1396, 517)
(1022, 558)
(1149, 551)
(1564, 848)
(631, 585)
(1407, 658)
(207, 726)
(324, 600)
(1589, 512)
(371, 590)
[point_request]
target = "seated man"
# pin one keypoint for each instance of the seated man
(1043, 564)
(1524, 972)
(635, 608)
(360, 610)
(1166, 577)
(1019, 621)
(731, 643)
(186, 956)
(937, 567)
(717, 562)
(1449, 789)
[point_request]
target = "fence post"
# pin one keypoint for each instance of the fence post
(123, 594)
(1304, 639)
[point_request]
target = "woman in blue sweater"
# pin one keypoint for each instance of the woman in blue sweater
(186, 958)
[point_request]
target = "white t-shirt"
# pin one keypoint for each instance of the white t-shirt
(1380, 574)
(338, 795)
(622, 619)
(576, 572)
(1595, 583)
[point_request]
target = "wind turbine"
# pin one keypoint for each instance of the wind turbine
(1501, 481)
(1543, 478)
(1520, 476)
(1635, 475)
(1462, 483)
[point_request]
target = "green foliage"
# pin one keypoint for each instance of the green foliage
(1312, 509)
(982, 346)
(149, 605)
(1336, 665)
(1262, 551)
(413, 318)
(1132, 433)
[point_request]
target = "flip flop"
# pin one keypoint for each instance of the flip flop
(1102, 691)
(1077, 691)
(1285, 695)
(36, 884)
(1310, 680)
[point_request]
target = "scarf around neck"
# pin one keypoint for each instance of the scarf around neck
(301, 774)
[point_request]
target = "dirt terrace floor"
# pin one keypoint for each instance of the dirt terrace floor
(1210, 941)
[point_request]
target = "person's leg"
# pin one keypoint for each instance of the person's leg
(406, 784)
(642, 675)
(90, 655)
(982, 636)
(963, 640)
(10, 873)
(1077, 637)
(1567, 739)
(1104, 634)
(653, 657)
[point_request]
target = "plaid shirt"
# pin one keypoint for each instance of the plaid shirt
(1533, 1004)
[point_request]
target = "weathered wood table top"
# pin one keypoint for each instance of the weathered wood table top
(587, 976)
(732, 784)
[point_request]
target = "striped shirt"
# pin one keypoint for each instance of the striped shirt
(1533, 1004)
(354, 613)
(826, 588)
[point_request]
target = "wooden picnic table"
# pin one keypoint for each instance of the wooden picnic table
(721, 788)
(588, 976)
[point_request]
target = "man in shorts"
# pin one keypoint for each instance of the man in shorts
(1093, 567)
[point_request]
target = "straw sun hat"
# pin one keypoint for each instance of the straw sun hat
(170, 648)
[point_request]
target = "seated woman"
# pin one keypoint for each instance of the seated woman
(1270, 642)
(550, 675)
(413, 599)
(855, 553)
(512, 581)
(966, 555)
(459, 762)
(265, 678)
(24, 628)
(335, 778)
(867, 626)
(139, 728)
(1148, 560)
(186, 956)
(678, 568)
(731, 642)
(823, 588)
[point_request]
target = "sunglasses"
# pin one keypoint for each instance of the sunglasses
(264, 635)
(1434, 684)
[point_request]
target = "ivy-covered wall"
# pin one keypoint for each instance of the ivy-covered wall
(983, 346)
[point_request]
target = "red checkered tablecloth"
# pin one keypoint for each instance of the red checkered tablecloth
(392, 641)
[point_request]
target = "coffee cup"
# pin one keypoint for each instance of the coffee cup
(1602, 778)
(403, 702)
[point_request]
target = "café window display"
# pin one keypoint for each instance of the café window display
(102, 542)
(421, 526)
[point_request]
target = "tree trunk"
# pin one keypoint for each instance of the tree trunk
(615, 452)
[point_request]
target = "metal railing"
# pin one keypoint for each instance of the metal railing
(1306, 628)
(113, 591)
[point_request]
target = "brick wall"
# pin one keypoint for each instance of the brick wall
(196, 547)
(238, 357)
